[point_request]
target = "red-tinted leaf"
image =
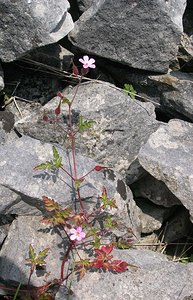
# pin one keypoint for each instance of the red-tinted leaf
(100, 264)
(74, 69)
(45, 118)
(107, 249)
(50, 204)
(104, 252)
(119, 266)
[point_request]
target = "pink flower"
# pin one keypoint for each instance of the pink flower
(87, 63)
(77, 234)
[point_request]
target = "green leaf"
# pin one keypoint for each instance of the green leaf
(65, 100)
(86, 124)
(42, 254)
(111, 224)
(58, 218)
(57, 159)
(97, 242)
(129, 90)
(77, 183)
(92, 231)
(47, 165)
(32, 254)
(122, 244)
(108, 202)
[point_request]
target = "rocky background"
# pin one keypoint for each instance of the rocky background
(148, 141)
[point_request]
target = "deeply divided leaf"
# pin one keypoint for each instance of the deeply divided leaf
(57, 159)
(50, 204)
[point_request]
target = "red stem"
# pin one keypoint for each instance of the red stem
(64, 261)
(30, 275)
(67, 173)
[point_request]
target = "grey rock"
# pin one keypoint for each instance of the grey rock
(151, 215)
(150, 242)
(144, 34)
(154, 190)
(12, 202)
(176, 93)
(23, 232)
(167, 156)
(26, 108)
(6, 127)
(31, 24)
(117, 135)
(186, 52)
(154, 276)
(175, 9)
(18, 160)
(52, 55)
(1, 79)
(83, 5)
(178, 226)
(3, 233)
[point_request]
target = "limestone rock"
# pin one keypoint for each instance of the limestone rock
(155, 276)
(31, 24)
(151, 215)
(1, 79)
(167, 156)
(176, 90)
(178, 226)
(18, 160)
(154, 190)
(85, 4)
(141, 34)
(23, 232)
(52, 55)
(117, 135)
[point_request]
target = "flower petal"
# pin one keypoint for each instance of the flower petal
(73, 237)
(83, 234)
(86, 59)
(91, 61)
(81, 60)
(92, 66)
(72, 230)
(79, 229)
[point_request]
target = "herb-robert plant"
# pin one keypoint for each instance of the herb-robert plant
(79, 227)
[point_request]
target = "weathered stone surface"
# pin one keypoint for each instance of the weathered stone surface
(31, 24)
(85, 4)
(144, 34)
(3, 233)
(117, 135)
(175, 9)
(178, 226)
(1, 79)
(6, 127)
(13, 203)
(154, 190)
(168, 157)
(155, 277)
(52, 55)
(23, 232)
(185, 52)
(18, 160)
(151, 215)
(176, 93)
